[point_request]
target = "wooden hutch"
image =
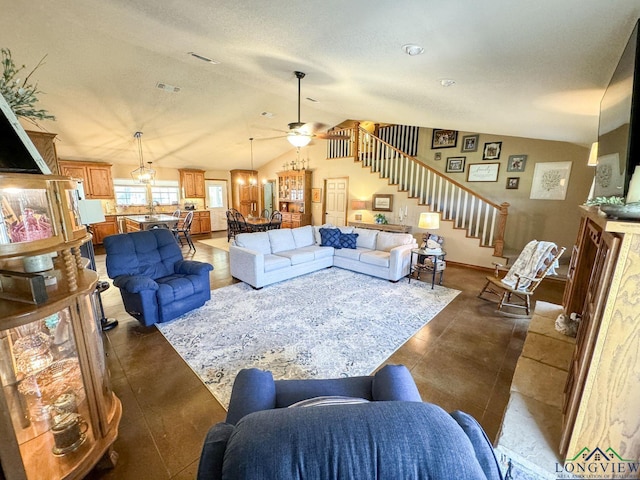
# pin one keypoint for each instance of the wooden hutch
(602, 393)
(294, 197)
(58, 414)
(245, 192)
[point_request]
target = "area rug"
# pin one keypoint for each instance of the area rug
(220, 243)
(327, 324)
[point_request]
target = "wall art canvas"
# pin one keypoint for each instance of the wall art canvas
(550, 181)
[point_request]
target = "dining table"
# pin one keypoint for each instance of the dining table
(257, 224)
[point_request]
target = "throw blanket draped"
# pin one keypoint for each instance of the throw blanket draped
(531, 260)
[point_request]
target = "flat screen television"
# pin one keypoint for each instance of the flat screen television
(17, 152)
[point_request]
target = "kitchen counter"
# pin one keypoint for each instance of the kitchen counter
(135, 223)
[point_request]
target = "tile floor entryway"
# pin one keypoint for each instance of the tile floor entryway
(462, 360)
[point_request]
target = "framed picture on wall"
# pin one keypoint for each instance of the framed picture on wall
(483, 172)
(516, 163)
(550, 181)
(382, 203)
(444, 138)
(470, 143)
(316, 195)
(513, 183)
(455, 164)
(492, 151)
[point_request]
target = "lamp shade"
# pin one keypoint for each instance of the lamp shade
(358, 204)
(298, 139)
(593, 155)
(429, 221)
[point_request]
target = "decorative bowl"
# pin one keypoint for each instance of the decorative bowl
(630, 211)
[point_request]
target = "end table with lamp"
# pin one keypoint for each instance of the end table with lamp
(430, 256)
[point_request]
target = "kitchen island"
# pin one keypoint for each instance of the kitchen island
(135, 223)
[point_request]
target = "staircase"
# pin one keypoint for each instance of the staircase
(478, 217)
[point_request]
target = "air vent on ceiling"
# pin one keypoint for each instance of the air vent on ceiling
(167, 88)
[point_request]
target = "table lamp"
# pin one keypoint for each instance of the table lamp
(429, 221)
(358, 205)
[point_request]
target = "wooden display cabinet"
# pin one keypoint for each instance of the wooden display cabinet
(602, 390)
(58, 414)
(45, 144)
(294, 198)
(192, 183)
(245, 192)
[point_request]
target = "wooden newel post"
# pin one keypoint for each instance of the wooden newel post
(356, 141)
(502, 223)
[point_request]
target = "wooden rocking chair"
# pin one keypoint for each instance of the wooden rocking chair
(536, 261)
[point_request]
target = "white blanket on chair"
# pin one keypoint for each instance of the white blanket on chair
(531, 259)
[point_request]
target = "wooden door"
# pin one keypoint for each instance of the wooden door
(336, 201)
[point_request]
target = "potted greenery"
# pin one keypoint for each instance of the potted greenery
(380, 219)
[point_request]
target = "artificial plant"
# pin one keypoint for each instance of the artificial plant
(21, 95)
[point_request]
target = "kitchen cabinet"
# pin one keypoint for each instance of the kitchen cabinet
(58, 414)
(245, 192)
(602, 390)
(97, 180)
(294, 197)
(192, 183)
(104, 229)
(201, 222)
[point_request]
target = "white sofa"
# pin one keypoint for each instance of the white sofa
(262, 258)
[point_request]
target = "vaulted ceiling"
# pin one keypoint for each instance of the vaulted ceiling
(524, 68)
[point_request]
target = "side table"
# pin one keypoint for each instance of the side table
(431, 261)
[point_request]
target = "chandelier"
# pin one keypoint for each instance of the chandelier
(142, 174)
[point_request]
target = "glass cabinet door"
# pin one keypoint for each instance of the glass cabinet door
(45, 393)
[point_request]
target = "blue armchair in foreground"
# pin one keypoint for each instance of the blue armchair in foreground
(155, 282)
(373, 427)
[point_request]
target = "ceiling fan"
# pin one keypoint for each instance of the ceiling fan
(300, 133)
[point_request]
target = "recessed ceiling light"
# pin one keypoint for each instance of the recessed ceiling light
(412, 49)
(203, 58)
(447, 82)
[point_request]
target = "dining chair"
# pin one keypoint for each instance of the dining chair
(242, 226)
(176, 213)
(232, 226)
(185, 231)
(276, 220)
(265, 213)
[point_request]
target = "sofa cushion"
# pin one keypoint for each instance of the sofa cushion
(318, 252)
(258, 241)
(298, 256)
(376, 257)
(330, 237)
(281, 240)
(386, 241)
(366, 238)
(325, 400)
(348, 240)
(350, 253)
(345, 229)
(303, 236)
(275, 262)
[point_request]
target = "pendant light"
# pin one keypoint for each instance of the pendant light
(297, 136)
(142, 174)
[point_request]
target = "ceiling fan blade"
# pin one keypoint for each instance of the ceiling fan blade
(261, 139)
(332, 136)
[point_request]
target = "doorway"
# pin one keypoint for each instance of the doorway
(268, 189)
(216, 192)
(336, 190)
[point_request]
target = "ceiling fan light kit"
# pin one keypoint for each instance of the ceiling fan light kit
(412, 49)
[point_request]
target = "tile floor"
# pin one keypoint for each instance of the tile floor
(463, 359)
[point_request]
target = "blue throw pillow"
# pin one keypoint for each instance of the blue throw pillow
(348, 240)
(330, 237)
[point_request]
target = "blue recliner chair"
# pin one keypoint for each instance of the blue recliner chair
(155, 282)
(373, 427)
